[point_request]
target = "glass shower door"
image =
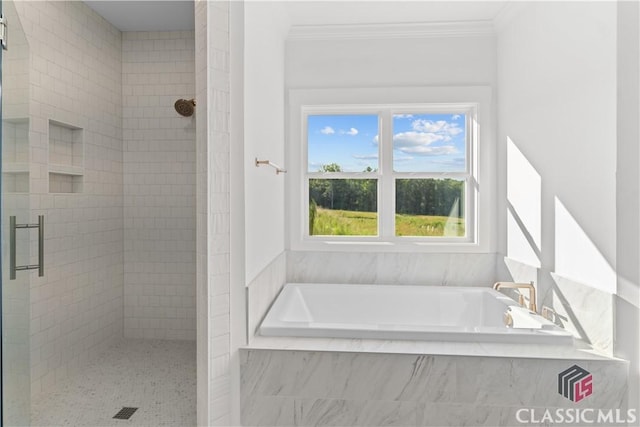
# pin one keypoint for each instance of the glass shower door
(19, 240)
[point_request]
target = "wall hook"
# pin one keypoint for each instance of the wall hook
(269, 163)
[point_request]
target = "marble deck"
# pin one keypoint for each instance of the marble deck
(580, 351)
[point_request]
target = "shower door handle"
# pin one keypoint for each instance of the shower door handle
(13, 227)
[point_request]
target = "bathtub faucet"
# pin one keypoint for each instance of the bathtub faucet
(513, 285)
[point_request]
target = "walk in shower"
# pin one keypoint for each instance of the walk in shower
(98, 218)
(16, 206)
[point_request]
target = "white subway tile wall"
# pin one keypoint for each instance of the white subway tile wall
(133, 177)
(202, 203)
(218, 213)
(159, 185)
(75, 78)
(213, 163)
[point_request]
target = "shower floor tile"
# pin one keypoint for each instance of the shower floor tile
(157, 377)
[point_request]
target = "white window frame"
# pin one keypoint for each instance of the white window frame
(474, 101)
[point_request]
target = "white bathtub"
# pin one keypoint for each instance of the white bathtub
(426, 313)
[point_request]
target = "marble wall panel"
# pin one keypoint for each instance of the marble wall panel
(391, 268)
(289, 387)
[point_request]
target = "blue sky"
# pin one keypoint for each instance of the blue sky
(422, 142)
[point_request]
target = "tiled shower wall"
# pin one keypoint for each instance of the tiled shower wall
(78, 79)
(159, 186)
(213, 211)
(75, 79)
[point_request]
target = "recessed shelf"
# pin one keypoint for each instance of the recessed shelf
(15, 182)
(65, 183)
(66, 169)
(13, 167)
(15, 155)
(66, 158)
(15, 120)
(15, 141)
(65, 144)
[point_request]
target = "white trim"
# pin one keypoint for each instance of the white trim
(237, 260)
(363, 99)
(391, 31)
(507, 13)
(386, 193)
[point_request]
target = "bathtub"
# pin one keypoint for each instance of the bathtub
(426, 313)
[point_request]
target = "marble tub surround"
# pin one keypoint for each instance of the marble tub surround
(579, 351)
(262, 291)
(582, 309)
(587, 312)
(390, 268)
(293, 387)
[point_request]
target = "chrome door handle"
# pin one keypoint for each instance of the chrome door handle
(13, 226)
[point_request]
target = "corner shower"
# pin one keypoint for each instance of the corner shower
(98, 219)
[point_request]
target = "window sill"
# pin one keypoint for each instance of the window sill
(389, 246)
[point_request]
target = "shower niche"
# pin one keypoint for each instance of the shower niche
(15, 155)
(66, 158)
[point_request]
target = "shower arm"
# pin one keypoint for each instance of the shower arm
(278, 169)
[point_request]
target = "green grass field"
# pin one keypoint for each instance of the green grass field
(351, 223)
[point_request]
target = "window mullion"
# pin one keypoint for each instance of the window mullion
(387, 204)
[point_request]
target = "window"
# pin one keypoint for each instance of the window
(396, 174)
(342, 174)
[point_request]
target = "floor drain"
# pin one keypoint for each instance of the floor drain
(125, 413)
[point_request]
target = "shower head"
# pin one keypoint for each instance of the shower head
(185, 107)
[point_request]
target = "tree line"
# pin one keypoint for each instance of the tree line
(431, 196)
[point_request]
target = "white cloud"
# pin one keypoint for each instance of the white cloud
(413, 139)
(402, 159)
(376, 139)
(327, 130)
(455, 117)
(420, 144)
(441, 150)
(365, 156)
(403, 116)
(351, 132)
(440, 127)
(450, 162)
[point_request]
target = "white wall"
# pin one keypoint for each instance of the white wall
(428, 61)
(266, 26)
(628, 194)
(257, 200)
(159, 186)
(557, 155)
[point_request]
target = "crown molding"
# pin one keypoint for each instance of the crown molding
(507, 13)
(391, 31)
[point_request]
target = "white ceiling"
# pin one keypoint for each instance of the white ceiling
(164, 15)
(391, 12)
(146, 15)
